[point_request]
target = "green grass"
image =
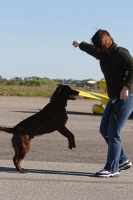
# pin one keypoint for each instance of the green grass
(29, 91)
(35, 91)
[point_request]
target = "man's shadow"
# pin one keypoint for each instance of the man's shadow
(39, 171)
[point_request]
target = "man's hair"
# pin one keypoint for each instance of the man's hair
(97, 37)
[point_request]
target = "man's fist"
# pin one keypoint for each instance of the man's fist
(76, 43)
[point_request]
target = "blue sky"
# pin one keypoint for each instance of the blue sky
(36, 36)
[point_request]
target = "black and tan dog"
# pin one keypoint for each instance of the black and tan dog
(52, 117)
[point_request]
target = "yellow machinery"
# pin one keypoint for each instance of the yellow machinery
(97, 108)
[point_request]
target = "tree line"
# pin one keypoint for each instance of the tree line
(37, 81)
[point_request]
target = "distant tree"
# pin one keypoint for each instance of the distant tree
(17, 79)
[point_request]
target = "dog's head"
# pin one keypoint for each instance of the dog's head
(64, 93)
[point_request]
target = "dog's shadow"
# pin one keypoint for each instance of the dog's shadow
(39, 171)
(68, 112)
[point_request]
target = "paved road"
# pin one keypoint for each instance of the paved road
(55, 172)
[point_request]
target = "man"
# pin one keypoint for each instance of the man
(117, 66)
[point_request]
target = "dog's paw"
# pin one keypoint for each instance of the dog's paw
(70, 147)
(23, 171)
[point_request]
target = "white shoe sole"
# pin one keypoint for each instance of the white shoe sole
(107, 175)
(126, 166)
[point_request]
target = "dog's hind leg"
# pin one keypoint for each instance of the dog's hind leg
(21, 144)
(71, 139)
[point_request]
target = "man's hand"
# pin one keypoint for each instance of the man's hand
(76, 43)
(124, 93)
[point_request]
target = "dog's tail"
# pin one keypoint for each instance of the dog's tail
(6, 129)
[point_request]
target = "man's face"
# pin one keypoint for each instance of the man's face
(106, 42)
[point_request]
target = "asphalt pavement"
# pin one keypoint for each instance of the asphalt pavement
(54, 171)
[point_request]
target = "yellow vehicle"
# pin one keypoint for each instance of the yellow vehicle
(103, 98)
(97, 108)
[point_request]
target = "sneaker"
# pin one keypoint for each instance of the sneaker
(104, 173)
(125, 165)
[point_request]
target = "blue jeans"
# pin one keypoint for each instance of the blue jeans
(113, 120)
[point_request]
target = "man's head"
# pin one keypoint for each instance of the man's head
(102, 41)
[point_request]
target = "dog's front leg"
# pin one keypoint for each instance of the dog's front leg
(71, 139)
